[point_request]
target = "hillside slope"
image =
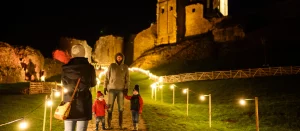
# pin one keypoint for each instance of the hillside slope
(271, 32)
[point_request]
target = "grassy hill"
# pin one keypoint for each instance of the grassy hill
(278, 104)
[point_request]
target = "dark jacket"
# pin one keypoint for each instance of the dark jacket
(81, 107)
(136, 102)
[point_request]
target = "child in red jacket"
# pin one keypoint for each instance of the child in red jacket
(136, 105)
(99, 107)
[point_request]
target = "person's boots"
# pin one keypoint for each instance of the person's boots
(109, 120)
(135, 126)
(120, 119)
(103, 126)
(96, 129)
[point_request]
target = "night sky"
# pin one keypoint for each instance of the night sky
(40, 24)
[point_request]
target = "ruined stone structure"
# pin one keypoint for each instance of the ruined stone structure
(177, 19)
(195, 22)
(19, 64)
(52, 67)
(106, 48)
(144, 41)
(67, 43)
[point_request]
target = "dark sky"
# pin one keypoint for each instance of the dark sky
(40, 24)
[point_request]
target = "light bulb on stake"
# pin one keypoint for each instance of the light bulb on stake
(23, 125)
(65, 90)
(242, 102)
(49, 102)
(57, 93)
(202, 97)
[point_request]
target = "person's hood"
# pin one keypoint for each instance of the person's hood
(120, 54)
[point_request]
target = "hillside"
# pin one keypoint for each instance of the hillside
(271, 32)
(278, 104)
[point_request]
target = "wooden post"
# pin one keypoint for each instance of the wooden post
(187, 102)
(45, 113)
(161, 95)
(173, 95)
(256, 113)
(209, 110)
(155, 93)
(51, 98)
(62, 92)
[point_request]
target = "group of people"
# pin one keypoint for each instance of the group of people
(116, 86)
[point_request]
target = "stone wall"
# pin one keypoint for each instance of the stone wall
(18, 64)
(166, 21)
(52, 68)
(67, 43)
(106, 48)
(195, 22)
(144, 40)
(228, 34)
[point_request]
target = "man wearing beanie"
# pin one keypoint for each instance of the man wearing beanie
(136, 106)
(81, 107)
(116, 82)
(99, 107)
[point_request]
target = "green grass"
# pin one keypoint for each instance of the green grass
(278, 104)
(13, 107)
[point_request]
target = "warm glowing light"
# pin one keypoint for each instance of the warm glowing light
(98, 81)
(202, 97)
(57, 94)
(242, 102)
(42, 78)
(161, 79)
(23, 125)
(185, 91)
(49, 103)
(172, 86)
(161, 86)
(154, 85)
(65, 90)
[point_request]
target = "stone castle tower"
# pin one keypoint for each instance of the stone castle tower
(177, 19)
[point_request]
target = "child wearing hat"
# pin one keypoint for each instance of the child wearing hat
(136, 105)
(99, 107)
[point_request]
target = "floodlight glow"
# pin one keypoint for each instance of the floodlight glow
(98, 81)
(57, 94)
(23, 125)
(65, 90)
(172, 86)
(160, 86)
(161, 79)
(42, 78)
(153, 85)
(49, 103)
(242, 102)
(185, 91)
(202, 97)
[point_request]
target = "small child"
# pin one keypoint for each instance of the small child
(99, 107)
(136, 106)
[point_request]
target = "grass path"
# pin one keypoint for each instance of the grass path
(127, 122)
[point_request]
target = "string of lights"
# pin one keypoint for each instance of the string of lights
(22, 118)
(7, 123)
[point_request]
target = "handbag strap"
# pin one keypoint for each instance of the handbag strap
(72, 98)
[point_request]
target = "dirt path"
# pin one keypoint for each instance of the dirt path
(127, 122)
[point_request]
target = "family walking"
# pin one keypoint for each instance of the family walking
(116, 86)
